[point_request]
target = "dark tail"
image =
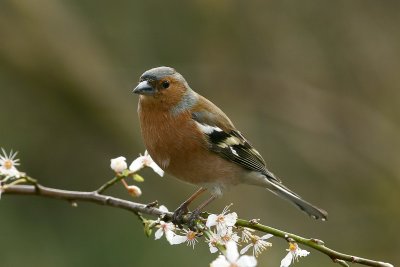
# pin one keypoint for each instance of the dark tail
(285, 193)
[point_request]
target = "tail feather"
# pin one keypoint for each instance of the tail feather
(285, 193)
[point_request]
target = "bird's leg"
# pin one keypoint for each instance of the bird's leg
(183, 208)
(194, 216)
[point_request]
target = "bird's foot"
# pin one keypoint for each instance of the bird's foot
(193, 219)
(177, 217)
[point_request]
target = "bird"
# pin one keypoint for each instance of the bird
(193, 140)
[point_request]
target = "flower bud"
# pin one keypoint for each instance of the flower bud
(134, 191)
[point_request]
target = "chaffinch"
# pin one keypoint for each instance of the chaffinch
(192, 139)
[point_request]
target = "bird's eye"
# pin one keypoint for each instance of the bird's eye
(165, 84)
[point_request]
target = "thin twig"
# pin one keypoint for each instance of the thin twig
(110, 183)
(138, 208)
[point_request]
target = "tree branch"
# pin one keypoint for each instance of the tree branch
(73, 196)
(137, 208)
(316, 244)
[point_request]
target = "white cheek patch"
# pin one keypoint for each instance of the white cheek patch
(207, 129)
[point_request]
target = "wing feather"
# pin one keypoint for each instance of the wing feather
(231, 144)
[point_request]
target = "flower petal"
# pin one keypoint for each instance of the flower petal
(265, 237)
(232, 253)
(287, 260)
(118, 164)
(230, 219)
(222, 229)
(301, 252)
(213, 249)
(156, 168)
(137, 164)
(246, 261)
(12, 172)
(246, 248)
(158, 234)
(169, 235)
(178, 239)
(211, 220)
(220, 262)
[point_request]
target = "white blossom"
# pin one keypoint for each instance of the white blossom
(222, 237)
(247, 233)
(223, 220)
(167, 229)
(227, 235)
(8, 163)
(119, 164)
(189, 237)
(232, 258)
(145, 161)
(258, 243)
(294, 253)
(213, 241)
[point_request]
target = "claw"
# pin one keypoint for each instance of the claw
(193, 218)
(177, 217)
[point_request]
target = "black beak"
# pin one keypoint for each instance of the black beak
(144, 88)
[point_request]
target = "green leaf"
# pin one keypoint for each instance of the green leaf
(147, 228)
(136, 177)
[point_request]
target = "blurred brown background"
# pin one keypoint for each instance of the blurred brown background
(314, 85)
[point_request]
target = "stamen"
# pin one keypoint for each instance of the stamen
(292, 247)
(8, 164)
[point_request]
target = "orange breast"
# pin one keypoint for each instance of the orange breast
(177, 146)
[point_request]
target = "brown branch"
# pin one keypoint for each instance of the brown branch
(138, 208)
(74, 196)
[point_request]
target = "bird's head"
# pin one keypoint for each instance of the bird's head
(162, 84)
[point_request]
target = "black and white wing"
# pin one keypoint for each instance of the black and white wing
(231, 144)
